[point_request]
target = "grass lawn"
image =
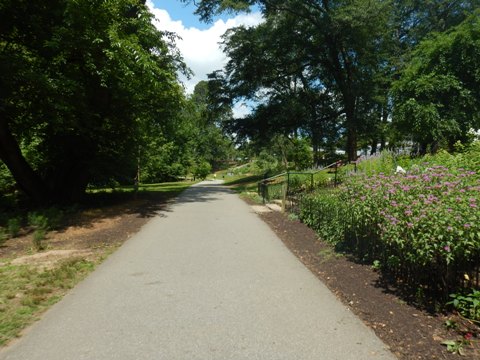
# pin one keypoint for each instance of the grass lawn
(168, 187)
(26, 291)
(245, 185)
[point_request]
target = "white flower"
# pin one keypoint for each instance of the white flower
(475, 134)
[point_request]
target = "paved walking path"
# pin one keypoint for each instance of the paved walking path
(206, 279)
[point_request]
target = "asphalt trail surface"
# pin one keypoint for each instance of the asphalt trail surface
(206, 279)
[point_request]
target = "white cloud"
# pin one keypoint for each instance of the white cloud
(200, 48)
(241, 109)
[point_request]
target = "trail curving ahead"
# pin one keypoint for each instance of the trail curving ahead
(206, 279)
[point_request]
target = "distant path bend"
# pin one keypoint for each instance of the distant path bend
(206, 280)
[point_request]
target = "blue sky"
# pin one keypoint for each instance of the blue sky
(199, 43)
(180, 11)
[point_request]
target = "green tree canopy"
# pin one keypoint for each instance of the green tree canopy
(438, 95)
(305, 49)
(308, 50)
(81, 83)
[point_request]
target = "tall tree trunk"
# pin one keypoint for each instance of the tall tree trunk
(351, 125)
(27, 179)
(351, 144)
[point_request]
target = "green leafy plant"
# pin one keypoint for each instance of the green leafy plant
(40, 224)
(455, 347)
(292, 217)
(37, 220)
(467, 305)
(38, 238)
(325, 212)
(54, 217)
(376, 265)
(13, 226)
(451, 324)
(3, 236)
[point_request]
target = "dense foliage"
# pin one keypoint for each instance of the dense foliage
(421, 226)
(326, 70)
(437, 94)
(89, 94)
(81, 83)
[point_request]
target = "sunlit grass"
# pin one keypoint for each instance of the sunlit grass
(245, 185)
(26, 291)
(166, 187)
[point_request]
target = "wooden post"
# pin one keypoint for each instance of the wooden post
(285, 192)
(284, 195)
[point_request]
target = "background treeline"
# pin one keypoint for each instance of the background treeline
(89, 90)
(89, 95)
(351, 74)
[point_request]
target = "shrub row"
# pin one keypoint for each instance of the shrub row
(423, 226)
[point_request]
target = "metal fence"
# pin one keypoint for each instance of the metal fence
(288, 187)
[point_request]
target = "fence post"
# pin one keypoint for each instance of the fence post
(336, 171)
(285, 192)
(262, 190)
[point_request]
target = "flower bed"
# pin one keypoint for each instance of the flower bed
(423, 227)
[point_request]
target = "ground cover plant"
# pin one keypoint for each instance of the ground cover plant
(422, 227)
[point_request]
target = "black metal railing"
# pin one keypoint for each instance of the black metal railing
(291, 185)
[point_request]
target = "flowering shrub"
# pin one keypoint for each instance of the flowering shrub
(474, 135)
(426, 215)
(325, 213)
(422, 226)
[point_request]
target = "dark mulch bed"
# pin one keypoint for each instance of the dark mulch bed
(410, 332)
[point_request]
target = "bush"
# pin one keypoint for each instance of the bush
(47, 219)
(325, 212)
(38, 237)
(13, 226)
(467, 305)
(3, 236)
(202, 169)
(37, 220)
(423, 226)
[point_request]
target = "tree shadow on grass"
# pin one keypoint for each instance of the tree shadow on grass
(107, 206)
